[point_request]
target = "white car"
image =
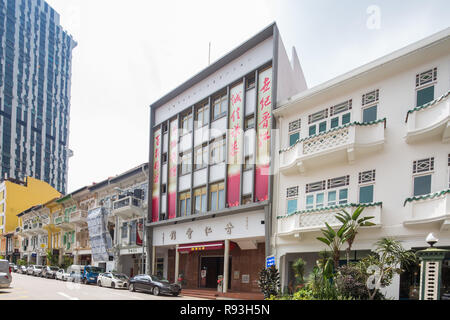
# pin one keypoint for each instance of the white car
(22, 270)
(113, 280)
(62, 275)
(5, 274)
(34, 270)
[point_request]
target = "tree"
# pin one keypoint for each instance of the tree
(379, 268)
(269, 281)
(354, 223)
(52, 259)
(334, 240)
(299, 270)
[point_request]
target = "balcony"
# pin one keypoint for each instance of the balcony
(79, 217)
(63, 222)
(429, 209)
(342, 144)
(314, 220)
(33, 229)
(429, 121)
(127, 208)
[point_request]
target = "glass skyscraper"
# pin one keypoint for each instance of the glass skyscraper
(35, 82)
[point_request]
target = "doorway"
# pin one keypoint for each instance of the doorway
(210, 269)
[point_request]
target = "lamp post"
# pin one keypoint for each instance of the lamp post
(430, 270)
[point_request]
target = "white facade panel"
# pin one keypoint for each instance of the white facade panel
(217, 172)
(218, 128)
(200, 178)
(184, 182)
(247, 184)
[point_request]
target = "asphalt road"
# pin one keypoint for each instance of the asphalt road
(24, 287)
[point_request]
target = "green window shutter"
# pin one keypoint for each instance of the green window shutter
(312, 130)
(425, 95)
(366, 194)
(343, 196)
(64, 239)
(293, 138)
(422, 185)
(323, 126)
(334, 122)
(346, 118)
(370, 114)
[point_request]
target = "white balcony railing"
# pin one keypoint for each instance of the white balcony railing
(315, 219)
(429, 120)
(340, 144)
(429, 208)
(127, 208)
(79, 217)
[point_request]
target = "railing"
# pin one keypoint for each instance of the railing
(78, 215)
(434, 207)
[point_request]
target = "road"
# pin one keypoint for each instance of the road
(24, 287)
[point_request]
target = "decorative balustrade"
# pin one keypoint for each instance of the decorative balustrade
(127, 207)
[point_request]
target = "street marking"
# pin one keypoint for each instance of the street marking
(126, 296)
(67, 296)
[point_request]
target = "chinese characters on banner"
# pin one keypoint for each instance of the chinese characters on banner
(235, 144)
(156, 175)
(173, 156)
(263, 132)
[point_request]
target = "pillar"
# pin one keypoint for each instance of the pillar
(75, 258)
(226, 266)
(153, 260)
(177, 263)
(430, 273)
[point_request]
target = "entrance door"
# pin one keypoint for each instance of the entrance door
(210, 269)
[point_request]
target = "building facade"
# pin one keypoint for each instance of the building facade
(376, 137)
(211, 187)
(35, 82)
(17, 196)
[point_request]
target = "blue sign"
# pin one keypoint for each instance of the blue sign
(270, 261)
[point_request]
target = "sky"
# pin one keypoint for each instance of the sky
(131, 53)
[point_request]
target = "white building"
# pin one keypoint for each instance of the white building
(378, 136)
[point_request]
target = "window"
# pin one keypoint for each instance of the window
(186, 123)
(164, 158)
(200, 200)
(124, 230)
(220, 106)
(249, 122)
(425, 86)
(201, 157)
(218, 151)
(246, 199)
(186, 165)
(294, 132)
(248, 165)
(422, 171)
(292, 200)
(250, 82)
(370, 114)
(201, 115)
(366, 194)
(185, 204)
(217, 196)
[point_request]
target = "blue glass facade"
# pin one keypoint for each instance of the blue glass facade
(35, 71)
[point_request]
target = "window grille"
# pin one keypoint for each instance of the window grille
(294, 125)
(370, 97)
(338, 182)
(316, 186)
(367, 176)
(426, 77)
(341, 107)
(292, 192)
(318, 116)
(424, 165)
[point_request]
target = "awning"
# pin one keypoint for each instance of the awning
(204, 246)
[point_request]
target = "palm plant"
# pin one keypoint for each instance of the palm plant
(334, 240)
(299, 270)
(354, 222)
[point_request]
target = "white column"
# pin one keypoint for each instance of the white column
(226, 266)
(177, 263)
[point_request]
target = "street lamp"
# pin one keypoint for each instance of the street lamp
(431, 239)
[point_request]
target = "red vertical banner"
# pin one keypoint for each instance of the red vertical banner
(235, 144)
(156, 175)
(263, 135)
(173, 159)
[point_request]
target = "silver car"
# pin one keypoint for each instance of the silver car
(5, 274)
(34, 270)
(62, 275)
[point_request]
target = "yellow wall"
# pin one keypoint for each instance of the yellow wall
(19, 198)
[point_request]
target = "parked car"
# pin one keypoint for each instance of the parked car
(153, 284)
(112, 280)
(49, 272)
(75, 276)
(88, 274)
(5, 274)
(16, 268)
(61, 274)
(34, 270)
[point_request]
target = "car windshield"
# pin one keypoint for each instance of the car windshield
(120, 276)
(95, 269)
(54, 268)
(160, 279)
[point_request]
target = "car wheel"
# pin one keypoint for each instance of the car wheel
(175, 294)
(131, 288)
(113, 285)
(84, 281)
(99, 283)
(156, 291)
